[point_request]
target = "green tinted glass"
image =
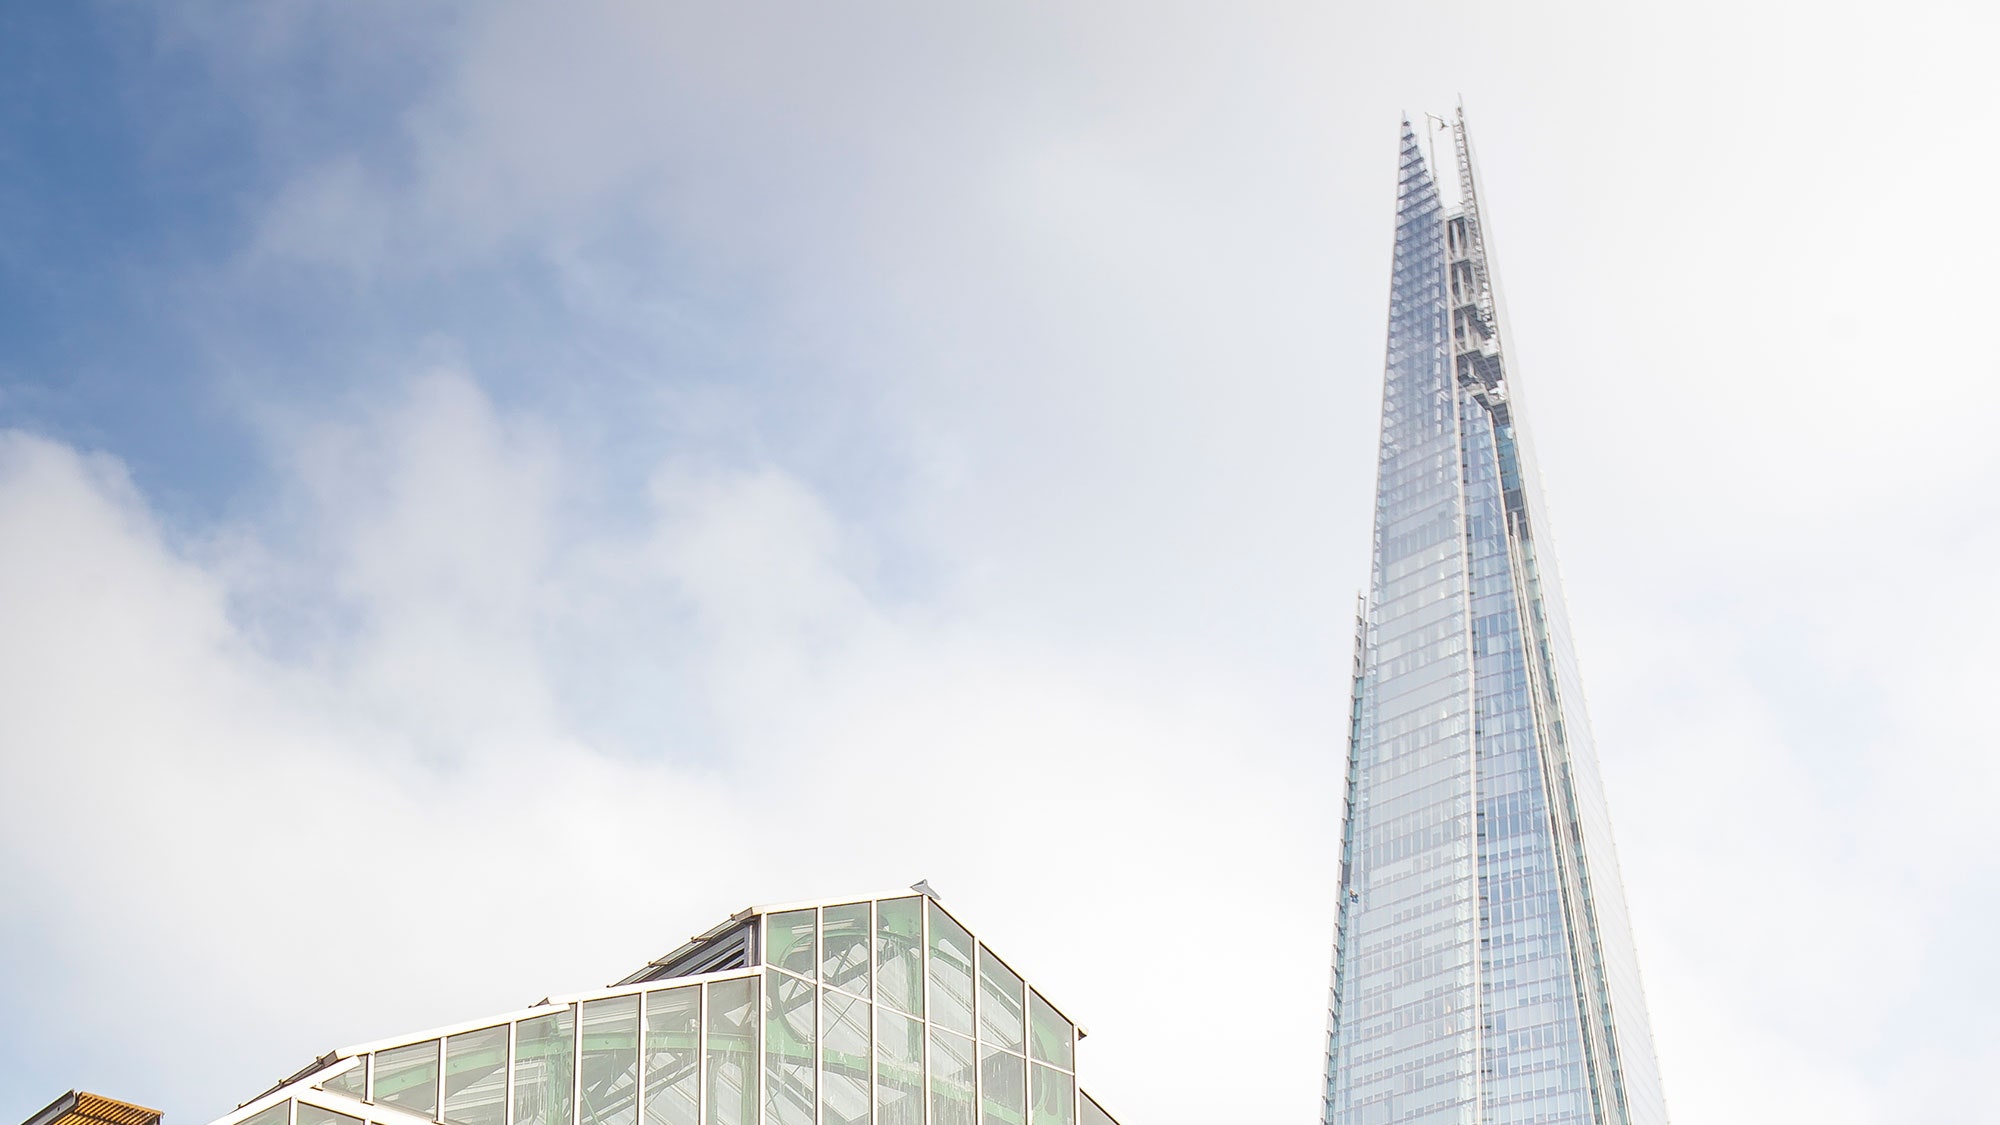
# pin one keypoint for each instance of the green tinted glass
(475, 1077)
(672, 1049)
(788, 941)
(544, 1068)
(1000, 1020)
(899, 1069)
(951, 1079)
(1054, 1038)
(610, 1062)
(790, 1029)
(1052, 1097)
(1003, 1088)
(407, 1077)
(899, 953)
(732, 1052)
(950, 965)
(844, 1052)
(843, 955)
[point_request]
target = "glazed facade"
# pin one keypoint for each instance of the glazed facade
(1484, 971)
(882, 1011)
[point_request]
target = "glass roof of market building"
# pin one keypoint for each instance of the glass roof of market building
(874, 1011)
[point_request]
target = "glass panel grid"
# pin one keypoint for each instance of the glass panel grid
(899, 1069)
(475, 1077)
(407, 1077)
(790, 1049)
(845, 945)
(1052, 1097)
(845, 1054)
(545, 1068)
(731, 1051)
(609, 1066)
(673, 1056)
(1001, 1020)
(1054, 1038)
(950, 972)
(790, 941)
(1003, 1087)
(899, 953)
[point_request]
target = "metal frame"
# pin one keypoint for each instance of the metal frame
(302, 1087)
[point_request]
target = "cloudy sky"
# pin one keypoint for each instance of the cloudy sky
(487, 490)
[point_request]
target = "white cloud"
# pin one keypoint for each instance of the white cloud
(1041, 495)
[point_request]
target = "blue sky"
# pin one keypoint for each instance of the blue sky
(487, 490)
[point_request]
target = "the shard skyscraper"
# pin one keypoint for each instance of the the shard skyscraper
(1484, 970)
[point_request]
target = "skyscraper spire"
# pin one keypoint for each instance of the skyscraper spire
(1483, 963)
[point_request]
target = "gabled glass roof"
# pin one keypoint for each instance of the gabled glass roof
(884, 1010)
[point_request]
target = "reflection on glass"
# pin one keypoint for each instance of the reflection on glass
(843, 1057)
(1003, 1088)
(788, 941)
(475, 1077)
(899, 953)
(899, 1069)
(951, 1079)
(673, 1033)
(789, 1031)
(1000, 1020)
(407, 1077)
(843, 955)
(610, 1062)
(544, 1068)
(1054, 1039)
(310, 1114)
(951, 972)
(732, 1052)
(1054, 1101)
(353, 1081)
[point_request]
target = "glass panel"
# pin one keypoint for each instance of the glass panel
(1003, 1088)
(475, 1077)
(278, 1114)
(732, 1052)
(1090, 1113)
(843, 954)
(610, 1062)
(789, 1031)
(1055, 1097)
(544, 1068)
(899, 1069)
(1000, 1020)
(407, 1077)
(673, 1045)
(313, 1115)
(353, 1081)
(951, 1079)
(899, 953)
(843, 1055)
(951, 973)
(788, 941)
(1054, 1040)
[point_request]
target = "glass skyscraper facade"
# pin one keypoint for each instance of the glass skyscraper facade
(876, 1011)
(1484, 971)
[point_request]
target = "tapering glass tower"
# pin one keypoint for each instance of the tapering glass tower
(1484, 971)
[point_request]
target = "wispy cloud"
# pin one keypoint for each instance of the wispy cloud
(691, 457)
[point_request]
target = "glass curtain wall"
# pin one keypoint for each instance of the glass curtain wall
(1483, 968)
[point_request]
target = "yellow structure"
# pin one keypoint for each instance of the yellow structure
(79, 1108)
